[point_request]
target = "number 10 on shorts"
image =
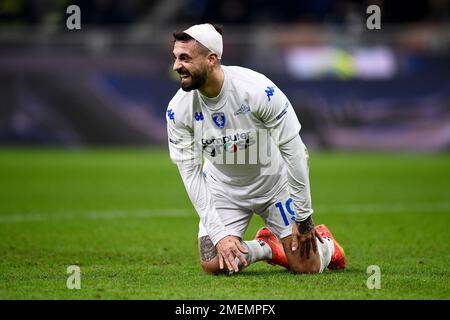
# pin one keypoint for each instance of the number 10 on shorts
(287, 205)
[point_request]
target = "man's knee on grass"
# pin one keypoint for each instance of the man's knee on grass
(298, 264)
(208, 255)
(305, 268)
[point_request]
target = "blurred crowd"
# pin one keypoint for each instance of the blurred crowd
(106, 12)
(110, 82)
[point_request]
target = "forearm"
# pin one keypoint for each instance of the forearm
(201, 199)
(295, 156)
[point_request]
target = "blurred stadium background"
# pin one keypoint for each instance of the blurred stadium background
(109, 83)
(375, 111)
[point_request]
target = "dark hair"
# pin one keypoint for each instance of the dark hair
(181, 36)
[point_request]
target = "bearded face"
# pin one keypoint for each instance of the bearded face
(191, 64)
(194, 79)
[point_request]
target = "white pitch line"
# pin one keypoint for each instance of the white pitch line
(377, 208)
(437, 207)
(94, 215)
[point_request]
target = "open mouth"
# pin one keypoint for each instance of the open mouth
(184, 76)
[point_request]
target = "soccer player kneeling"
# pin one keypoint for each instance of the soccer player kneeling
(235, 138)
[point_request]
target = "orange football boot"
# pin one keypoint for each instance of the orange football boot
(278, 255)
(338, 258)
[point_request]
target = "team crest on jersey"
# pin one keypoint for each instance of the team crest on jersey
(219, 119)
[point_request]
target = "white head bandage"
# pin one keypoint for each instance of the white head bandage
(208, 36)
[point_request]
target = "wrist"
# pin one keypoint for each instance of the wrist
(306, 225)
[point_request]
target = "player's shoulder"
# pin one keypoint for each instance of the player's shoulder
(181, 100)
(179, 109)
(250, 82)
(247, 76)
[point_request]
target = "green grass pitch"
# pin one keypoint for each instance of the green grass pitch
(123, 216)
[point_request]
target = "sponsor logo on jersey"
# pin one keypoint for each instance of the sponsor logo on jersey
(171, 115)
(198, 116)
(230, 143)
(269, 92)
(219, 119)
(242, 110)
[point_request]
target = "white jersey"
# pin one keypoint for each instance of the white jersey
(237, 136)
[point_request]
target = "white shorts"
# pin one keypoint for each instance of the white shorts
(275, 209)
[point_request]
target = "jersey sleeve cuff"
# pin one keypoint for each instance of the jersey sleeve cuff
(218, 236)
(302, 217)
